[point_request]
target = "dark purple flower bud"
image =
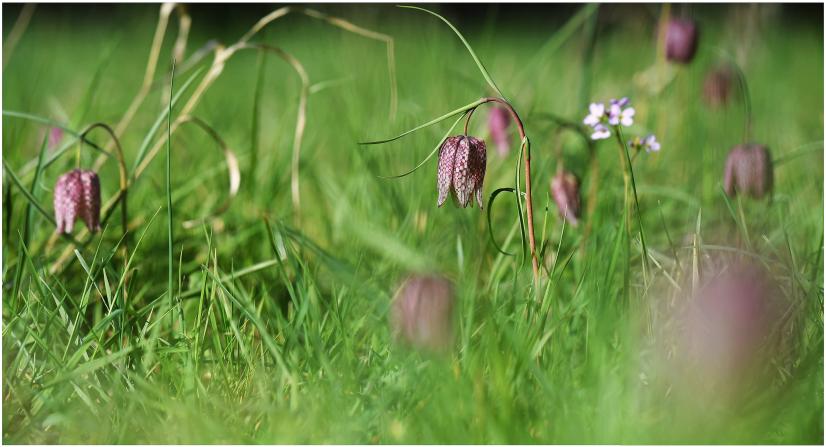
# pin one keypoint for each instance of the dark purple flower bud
(462, 163)
(681, 40)
(422, 312)
(717, 86)
(498, 122)
(565, 191)
(77, 194)
(749, 171)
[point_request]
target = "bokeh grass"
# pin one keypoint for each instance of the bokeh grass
(284, 335)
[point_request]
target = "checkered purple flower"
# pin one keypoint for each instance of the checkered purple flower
(422, 312)
(462, 163)
(77, 194)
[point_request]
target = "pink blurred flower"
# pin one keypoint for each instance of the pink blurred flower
(422, 312)
(77, 194)
(498, 122)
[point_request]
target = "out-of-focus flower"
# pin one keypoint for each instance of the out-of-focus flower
(55, 135)
(596, 113)
(565, 191)
(600, 132)
(729, 319)
(498, 122)
(77, 194)
(749, 171)
(462, 163)
(681, 40)
(717, 86)
(649, 143)
(620, 115)
(599, 118)
(422, 312)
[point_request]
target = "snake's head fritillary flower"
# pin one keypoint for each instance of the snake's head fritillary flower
(55, 135)
(649, 143)
(565, 191)
(731, 318)
(422, 312)
(77, 194)
(498, 122)
(749, 171)
(462, 163)
(681, 40)
(717, 86)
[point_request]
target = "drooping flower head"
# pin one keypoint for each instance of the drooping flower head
(462, 163)
(498, 122)
(77, 194)
(422, 312)
(681, 40)
(717, 86)
(565, 191)
(749, 171)
(617, 113)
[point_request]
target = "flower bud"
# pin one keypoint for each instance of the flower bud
(498, 122)
(717, 86)
(680, 40)
(77, 194)
(565, 191)
(749, 171)
(422, 312)
(462, 163)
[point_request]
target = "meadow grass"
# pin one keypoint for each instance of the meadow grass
(268, 323)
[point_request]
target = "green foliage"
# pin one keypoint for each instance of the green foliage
(278, 332)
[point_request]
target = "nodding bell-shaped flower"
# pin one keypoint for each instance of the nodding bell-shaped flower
(680, 40)
(565, 191)
(422, 312)
(717, 86)
(462, 163)
(749, 171)
(498, 122)
(77, 194)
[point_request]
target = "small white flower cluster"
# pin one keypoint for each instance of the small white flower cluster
(618, 113)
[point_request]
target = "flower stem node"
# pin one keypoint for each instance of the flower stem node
(77, 194)
(462, 163)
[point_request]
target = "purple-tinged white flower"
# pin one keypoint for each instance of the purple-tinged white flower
(462, 163)
(77, 194)
(565, 191)
(619, 115)
(649, 143)
(600, 132)
(422, 312)
(498, 122)
(749, 171)
(596, 115)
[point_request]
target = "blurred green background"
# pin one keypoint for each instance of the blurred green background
(278, 329)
